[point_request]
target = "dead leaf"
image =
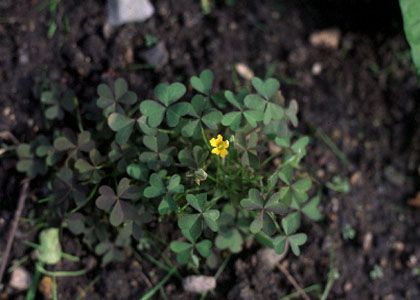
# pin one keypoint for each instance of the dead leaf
(415, 201)
(46, 287)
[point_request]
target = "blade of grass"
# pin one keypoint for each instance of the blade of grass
(319, 133)
(315, 288)
(158, 286)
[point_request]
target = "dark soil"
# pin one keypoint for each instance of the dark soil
(366, 98)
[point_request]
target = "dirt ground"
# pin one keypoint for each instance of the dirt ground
(364, 94)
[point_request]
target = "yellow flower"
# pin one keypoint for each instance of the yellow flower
(219, 146)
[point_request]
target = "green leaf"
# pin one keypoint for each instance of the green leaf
(291, 223)
(167, 205)
(49, 250)
(174, 185)
(138, 171)
(254, 201)
(190, 128)
(75, 223)
(191, 225)
(106, 199)
(296, 241)
(47, 97)
(411, 15)
(197, 201)
(339, 184)
(257, 225)
(212, 119)
(302, 185)
(210, 217)
(229, 239)
(151, 142)
(280, 244)
(253, 116)
(175, 112)
(156, 187)
(117, 121)
(204, 248)
(120, 87)
(54, 112)
(275, 205)
(203, 83)
(300, 145)
(291, 112)
(177, 246)
(63, 144)
(169, 94)
(266, 88)
(83, 166)
(230, 97)
(232, 119)
(255, 102)
(311, 209)
(153, 111)
(121, 212)
(273, 112)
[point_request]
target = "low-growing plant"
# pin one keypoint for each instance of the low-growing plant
(116, 167)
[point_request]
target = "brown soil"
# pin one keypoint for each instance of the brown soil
(366, 98)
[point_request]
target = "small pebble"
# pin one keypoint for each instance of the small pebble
(367, 242)
(199, 284)
(316, 68)
(244, 71)
(20, 279)
(328, 38)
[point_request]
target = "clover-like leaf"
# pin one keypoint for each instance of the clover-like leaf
(229, 236)
(267, 88)
(28, 163)
(57, 101)
(160, 155)
(203, 83)
(167, 95)
(204, 248)
(138, 171)
(73, 145)
(112, 101)
(291, 223)
(122, 125)
(291, 112)
(192, 224)
(121, 210)
(247, 146)
(236, 119)
(265, 208)
(91, 169)
(193, 158)
(203, 115)
(66, 187)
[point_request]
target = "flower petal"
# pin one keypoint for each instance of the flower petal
(223, 153)
(215, 151)
(213, 142)
(226, 144)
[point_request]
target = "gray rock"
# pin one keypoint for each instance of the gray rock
(199, 283)
(125, 11)
(156, 56)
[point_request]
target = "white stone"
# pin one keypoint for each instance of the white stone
(199, 284)
(20, 279)
(125, 11)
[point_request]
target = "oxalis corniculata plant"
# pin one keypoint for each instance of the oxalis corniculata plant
(198, 159)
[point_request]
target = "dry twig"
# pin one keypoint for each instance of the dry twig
(293, 281)
(21, 203)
